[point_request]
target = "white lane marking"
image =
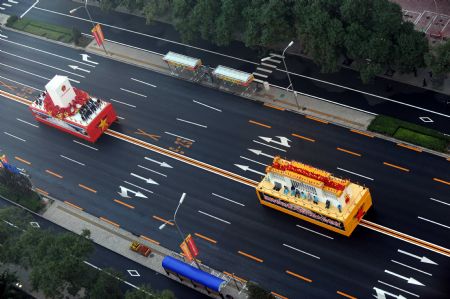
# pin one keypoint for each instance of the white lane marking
(6, 4)
(247, 168)
(133, 273)
(307, 253)
(21, 84)
(172, 134)
(264, 70)
(230, 200)
(88, 146)
(394, 287)
(260, 75)
(437, 223)
(381, 294)
(259, 142)
(2, 8)
(192, 123)
(162, 164)
(143, 82)
(258, 152)
(139, 187)
(442, 202)
(93, 266)
(120, 117)
(200, 103)
(133, 92)
(147, 35)
(124, 193)
(283, 140)
(422, 259)
(363, 176)
(9, 134)
(151, 170)
(3, 36)
(22, 15)
(25, 122)
(26, 72)
(409, 280)
(248, 159)
(76, 67)
(85, 57)
(49, 53)
(74, 161)
(147, 180)
(269, 65)
(123, 103)
(313, 231)
(44, 64)
(394, 261)
(217, 218)
(13, 2)
(118, 278)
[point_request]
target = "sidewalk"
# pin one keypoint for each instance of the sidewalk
(118, 240)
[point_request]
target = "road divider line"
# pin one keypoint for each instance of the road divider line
(109, 221)
(41, 191)
(22, 160)
(148, 239)
(87, 188)
(133, 92)
(268, 145)
(172, 134)
(54, 174)
(88, 146)
(210, 107)
(363, 176)
(259, 124)
(214, 217)
(346, 295)
(162, 220)
(28, 123)
(317, 119)
(139, 187)
(26, 72)
(151, 170)
(235, 277)
(362, 133)
(410, 147)
(442, 202)
(434, 222)
(123, 103)
(304, 252)
(72, 160)
(143, 82)
(250, 256)
(230, 200)
(73, 205)
(348, 152)
(124, 204)
(396, 166)
(14, 136)
(278, 295)
(313, 231)
(303, 137)
(29, 8)
(206, 238)
(396, 262)
(441, 181)
(248, 159)
(274, 107)
(298, 276)
(192, 123)
(394, 287)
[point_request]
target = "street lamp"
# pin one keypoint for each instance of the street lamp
(174, 221)
(287, 73)
(72, 11)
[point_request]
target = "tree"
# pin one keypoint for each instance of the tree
(152, 8)
(228, 20)
(105, 285)
(76, 35)
(257, 292)
(8, 289)
(16, 183)
(204, 16)
(410, 47)
(438, 60)
(146, 292)
(12, 222)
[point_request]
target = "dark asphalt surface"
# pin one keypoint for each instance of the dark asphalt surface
(238, 56)
(352, 265)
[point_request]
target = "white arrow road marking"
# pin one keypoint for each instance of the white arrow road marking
(381, 294)
(260, 153)
(124, 193)
(136, 186)
(423, 259)
(283, 140)
(268, 145)
(246, 168)
(162, 164)
(147, 180)
(76, 67)
(394, 287)
(86, 57)
(410, 280)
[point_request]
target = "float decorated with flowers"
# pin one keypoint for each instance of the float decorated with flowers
(72, 110)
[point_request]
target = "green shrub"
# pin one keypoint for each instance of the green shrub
(76, 35)
(11, 20)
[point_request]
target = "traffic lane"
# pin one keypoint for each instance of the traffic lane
(17, 7)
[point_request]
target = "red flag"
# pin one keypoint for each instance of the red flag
(187, 253)
(191, 244)
(98, 34)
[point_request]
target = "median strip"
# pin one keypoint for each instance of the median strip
(298, 276)
(87, 188)
(206, 238)
(54, 174)
(109, 221)
(22, 160)
(259, 124)
(346, 295)
(348, 152)
(395, 166)
(303, 137)
(250, 256)
(441, 181)
(124, 204)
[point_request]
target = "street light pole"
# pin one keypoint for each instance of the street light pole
(287, 73)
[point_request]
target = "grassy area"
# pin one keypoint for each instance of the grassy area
(410, 132)
(54, 32)
(32, 202)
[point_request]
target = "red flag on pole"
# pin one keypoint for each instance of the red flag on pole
(98, 34)
(191, 244)
(186, 251)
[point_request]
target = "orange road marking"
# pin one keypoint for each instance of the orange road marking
(206, 238)
(148, 239)
(87, 188)
(303, 137)
(162, 220)
(274, 107)
(348, 152)
(362, 133)
(410, 147)
(441, 181)
(259, 124)
(395, 166)
(22, 160)
(250, 256)
(278, 295)
(73, 205)
(235, 277)
(41, 191)
(143, 133)
(15, 98)
(109, 221)
(346, 295)
(54, 174)
(124, 204)
(317, 119)
(298, 276)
